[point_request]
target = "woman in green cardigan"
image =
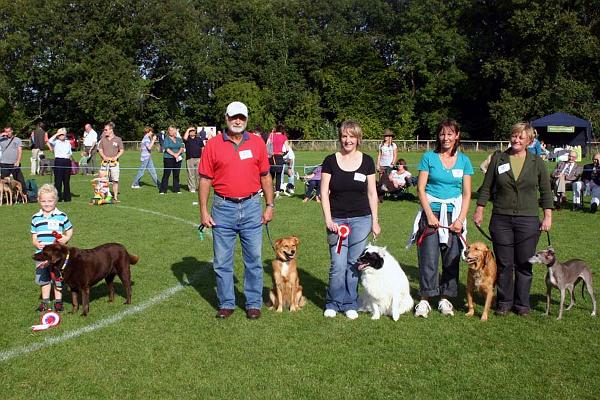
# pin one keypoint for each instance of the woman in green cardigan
(512, 182)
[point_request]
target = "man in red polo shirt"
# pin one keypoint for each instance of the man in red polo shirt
(236, 165)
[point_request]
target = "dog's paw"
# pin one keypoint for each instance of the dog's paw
(484, 317)
(375, 316)
(279, 309)
(470, 313)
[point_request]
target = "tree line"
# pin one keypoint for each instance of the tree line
(309, 64)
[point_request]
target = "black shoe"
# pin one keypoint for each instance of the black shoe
(594, 207)
(43, 307)
(502, 312)
(58, 306)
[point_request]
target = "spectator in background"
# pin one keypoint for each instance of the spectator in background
(39, 138)
(146, 158)
(535, 147)
(387, 154)
(567, 172)
(63, 153)
(194, 144)
(276, 144)
(11, 151)
(90, 140)
(289, 157)
(313, 184)
(172, 157)
(591, 178)
(110, 148)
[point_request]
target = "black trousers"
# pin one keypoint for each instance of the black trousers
(171, 165)
(429, 253)
(276, 162)
(515, 239)
(62, 178)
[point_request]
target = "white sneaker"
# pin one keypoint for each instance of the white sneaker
(445, 307)
(351, 314)
(135, 186)
(329, 313)
(422, 309)
(192, 191)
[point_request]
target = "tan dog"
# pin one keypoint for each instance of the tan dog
(17, 189)
(5, 191)
(286, 291)
(481, 276)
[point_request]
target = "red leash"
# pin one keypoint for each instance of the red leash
(427, 232)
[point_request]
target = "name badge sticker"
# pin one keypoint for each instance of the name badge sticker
(457, 173)
(503, 168)
(244, 154)
(53, 225)
(360, 177)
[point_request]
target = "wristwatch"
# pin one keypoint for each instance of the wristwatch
(270, 205)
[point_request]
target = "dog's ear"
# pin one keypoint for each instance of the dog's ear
(278, 243)
(489, 258)
(550, 250)
(296, 240)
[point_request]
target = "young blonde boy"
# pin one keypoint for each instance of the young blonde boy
(43, 223)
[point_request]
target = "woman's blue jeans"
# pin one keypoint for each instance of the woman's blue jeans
(146, 165)
(342, 291)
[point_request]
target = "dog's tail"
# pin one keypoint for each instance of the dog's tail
(133, 259)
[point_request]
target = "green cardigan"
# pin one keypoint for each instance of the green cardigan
(518, 197)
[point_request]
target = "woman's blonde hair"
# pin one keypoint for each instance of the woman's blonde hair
(353, 129)
(523, 127)
(47, 188)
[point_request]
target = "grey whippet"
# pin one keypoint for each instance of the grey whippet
(564, 276)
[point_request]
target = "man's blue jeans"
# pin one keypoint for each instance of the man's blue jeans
(146, 165)
(243, 220)
(342, 291)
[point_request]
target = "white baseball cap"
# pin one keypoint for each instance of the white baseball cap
(237, 108)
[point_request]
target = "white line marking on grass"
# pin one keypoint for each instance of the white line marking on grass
(9, 354)
(160, 214)
(6, 355)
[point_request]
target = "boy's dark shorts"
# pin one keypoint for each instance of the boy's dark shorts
(42, 276)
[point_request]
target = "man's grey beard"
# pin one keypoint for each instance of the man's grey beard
(237, 129)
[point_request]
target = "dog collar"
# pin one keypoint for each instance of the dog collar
(66, 262)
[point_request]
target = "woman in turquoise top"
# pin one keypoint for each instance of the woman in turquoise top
(444, 188)
(172, 155)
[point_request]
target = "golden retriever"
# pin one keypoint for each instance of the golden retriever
(286, 291)
(481, 276)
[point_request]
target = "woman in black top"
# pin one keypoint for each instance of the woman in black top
(348, 197)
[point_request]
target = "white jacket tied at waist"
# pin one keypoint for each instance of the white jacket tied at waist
(443, 233)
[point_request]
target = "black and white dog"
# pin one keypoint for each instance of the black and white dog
(386, 288)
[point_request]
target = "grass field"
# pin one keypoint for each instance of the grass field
(168, 344)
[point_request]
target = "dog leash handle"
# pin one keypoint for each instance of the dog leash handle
(201, 232)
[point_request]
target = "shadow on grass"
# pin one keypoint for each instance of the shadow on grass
(200, 275)
(101, 291)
